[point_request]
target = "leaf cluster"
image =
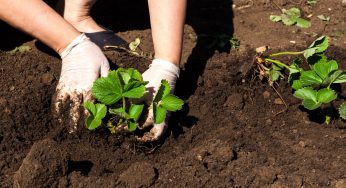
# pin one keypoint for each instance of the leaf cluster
(291, 17)
(312, 85)
(117, 93)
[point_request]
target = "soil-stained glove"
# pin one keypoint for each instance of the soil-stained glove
(158, 70)
(82, 63)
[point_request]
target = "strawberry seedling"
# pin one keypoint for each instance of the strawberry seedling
(290, 17)
(117, 93)
(312, 86)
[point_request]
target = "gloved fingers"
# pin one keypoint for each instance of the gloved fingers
(87, 96)
(149, 121)
(59, 99)
(74, 114)
(154, 134)
(104, 68)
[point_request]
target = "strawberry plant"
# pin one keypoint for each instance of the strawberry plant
(117, 93)
(313, 85)
(290, 17)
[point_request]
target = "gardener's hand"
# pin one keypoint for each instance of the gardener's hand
(82, 63)
(158, 70)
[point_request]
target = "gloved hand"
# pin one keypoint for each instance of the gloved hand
(82, 63)
(158, 70)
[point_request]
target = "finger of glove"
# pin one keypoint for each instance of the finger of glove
(74, 114)
(87, 96)
(149, 121)
(154, 134)
(59, 99)
(104, 68)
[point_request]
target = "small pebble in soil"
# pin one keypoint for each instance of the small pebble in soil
(47, 78)
(302, 144)
(266, 94)
(278, 101)
(3, 101)
(269, 122)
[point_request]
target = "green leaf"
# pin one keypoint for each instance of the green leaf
(311, 2)
(323, 69)
(135, 111)
(130, 74)
(292, 12)
(309, 52)
(125, 77)
(171, 103)
(134, 44)
(342, 110)
(310, 104)
(21, 49)
(275, 18)
(135, 74)
(309, 78)
(306, 93)
(288, 20)
(101, 111)
(303, 23)
(133, 91)
(159, 114)
(338, 77)
(108, 90)
(131, 126)
(93, 123)
(318, 46)
(323, 17)
(296, 84)
(294, 68)
(274, 75)
(90, 107)
(120, 112)
(164, 90)
(326, 95)
(97, 113)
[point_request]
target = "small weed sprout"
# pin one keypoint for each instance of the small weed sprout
(290, 17)
(312, 86)
(220, 40)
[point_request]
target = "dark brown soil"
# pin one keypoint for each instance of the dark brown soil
(232, 132)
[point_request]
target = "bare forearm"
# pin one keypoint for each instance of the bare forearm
(167, 18)
(39, 20)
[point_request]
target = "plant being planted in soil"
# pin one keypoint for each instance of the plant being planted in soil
(117, 94)
(313, 85)
(290, 17)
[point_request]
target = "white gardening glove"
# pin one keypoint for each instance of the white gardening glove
(82, 63)
(158, 70)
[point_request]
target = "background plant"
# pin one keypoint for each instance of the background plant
(290, 17)
(312, 85)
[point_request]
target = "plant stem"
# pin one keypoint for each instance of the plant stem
(277, 63)
(286, 53)
(124, 103)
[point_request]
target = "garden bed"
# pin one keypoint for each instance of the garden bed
(234, 130)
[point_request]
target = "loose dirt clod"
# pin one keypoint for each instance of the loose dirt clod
(138, 175)
(45, 163)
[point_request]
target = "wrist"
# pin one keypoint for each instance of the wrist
(166, 66)
(79, 39)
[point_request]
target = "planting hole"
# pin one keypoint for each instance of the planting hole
(84, 167)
